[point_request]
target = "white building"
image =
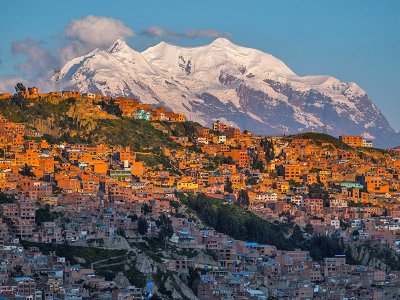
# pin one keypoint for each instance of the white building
(221, 139)
(202, 140)
(89, 95)
(367, 144)
(335, 223)
(338, 203)
(267, 197)
(298, 200)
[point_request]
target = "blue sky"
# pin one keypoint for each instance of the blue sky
(353, 40)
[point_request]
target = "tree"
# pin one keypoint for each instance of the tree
(165, 225)
(309, 228)
(193, 280)
(251, 180)
(287, 218)
(268, 149)
(112, 108)
(175, 204)
(258, 164)
(297, 236)
(241, 224)
(17, 271)
(20, 88)
(317, 190)
(43, 214)
(228, 186)
(27, 171)
(142, 226)
(19, 98)
(6, 198)
(243, 198)
(146, 208)
(133, 217)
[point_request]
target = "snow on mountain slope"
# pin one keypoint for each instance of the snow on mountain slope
(120, 70)
(222, 80)
(220, 54)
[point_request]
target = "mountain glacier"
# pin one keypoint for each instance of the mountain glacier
(245, 87)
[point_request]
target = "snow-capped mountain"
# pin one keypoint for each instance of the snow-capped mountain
(243, 86)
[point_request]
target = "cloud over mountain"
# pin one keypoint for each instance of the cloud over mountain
(83, 35)
(38, 57)
(158, 32)
(78, 37)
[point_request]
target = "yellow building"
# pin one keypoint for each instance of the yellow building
(187, 185)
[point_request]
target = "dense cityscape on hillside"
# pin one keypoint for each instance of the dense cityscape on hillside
(194, 150)
(109, 198)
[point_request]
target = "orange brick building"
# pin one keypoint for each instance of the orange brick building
(351, 140)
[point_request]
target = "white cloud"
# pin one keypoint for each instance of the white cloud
(80, 36)
(367, 136)
(38, 56)
(205, 33)
(158, 32)
(93, 32)
(84, 35)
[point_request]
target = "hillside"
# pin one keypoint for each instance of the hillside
(139, 263)
(68, 120)
(241, 224)
(320, 138)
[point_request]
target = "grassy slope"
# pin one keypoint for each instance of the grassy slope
(139, 135)
(320, 138)
(41, 109)
(242, 224)
(71, 253)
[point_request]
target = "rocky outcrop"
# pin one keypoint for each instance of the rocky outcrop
(46, 126)
(116, 243)
(374, 255)
(121, 280)
(178, 288)
(169, 282)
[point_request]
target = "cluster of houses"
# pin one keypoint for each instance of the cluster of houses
(350, 193)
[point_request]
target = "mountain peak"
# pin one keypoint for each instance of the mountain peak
(117, 46)
(221, 41)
